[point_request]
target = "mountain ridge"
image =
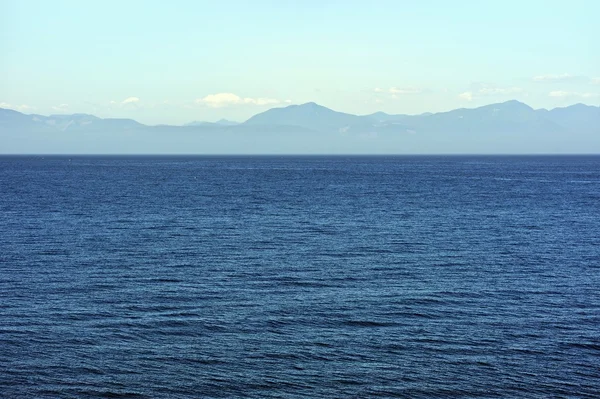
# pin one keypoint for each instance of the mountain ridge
(509, 127)
(309, 115)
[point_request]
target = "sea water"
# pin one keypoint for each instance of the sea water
(300, 277)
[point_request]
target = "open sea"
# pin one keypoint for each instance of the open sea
(300, 277)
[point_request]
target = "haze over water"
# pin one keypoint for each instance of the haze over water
(289, 277)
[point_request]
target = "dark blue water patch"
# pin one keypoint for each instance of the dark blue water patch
(284, 277)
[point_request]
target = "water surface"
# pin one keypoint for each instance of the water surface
(290, 277)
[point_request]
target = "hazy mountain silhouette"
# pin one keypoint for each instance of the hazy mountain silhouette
(310, 116)
(510, 116)
(577, 118)
(382, 117)
(16, 120)
(507, 127)
(220, 122)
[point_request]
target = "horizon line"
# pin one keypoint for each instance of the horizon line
(283, 155)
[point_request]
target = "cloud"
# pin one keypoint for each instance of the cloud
(130, 100)
(61, 107)
(394, 91)
(554, 77)
(467, 95)
(596, 81)
(21, 108)
(221, 100)
(408, 90)
(483, 90)
(559, 93)
(499, 91)
(572, 94)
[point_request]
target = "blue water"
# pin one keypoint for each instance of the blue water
(292, 277)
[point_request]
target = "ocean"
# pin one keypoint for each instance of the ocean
(300, 277)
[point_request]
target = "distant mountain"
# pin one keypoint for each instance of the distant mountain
(509, 127)
(509, 117)
(310, 116)
(75, 122)
(226, 122)
(382, 117)
(578, 117)
(220, 122)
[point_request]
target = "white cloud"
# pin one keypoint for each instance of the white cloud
(407, 90)
(467, 95)
(553, 77)
(394, 91)
(499, 91)
(559, 93)
(220, 100)
(130, 100)
(21, 108)
(562, 94)
(596, 81)
(482, 90)
(61, 107)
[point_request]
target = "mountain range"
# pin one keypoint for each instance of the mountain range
(220, 122)
(509, 127)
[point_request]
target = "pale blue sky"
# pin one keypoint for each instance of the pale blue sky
(177, 61)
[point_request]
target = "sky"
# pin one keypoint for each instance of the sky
(174, 62)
